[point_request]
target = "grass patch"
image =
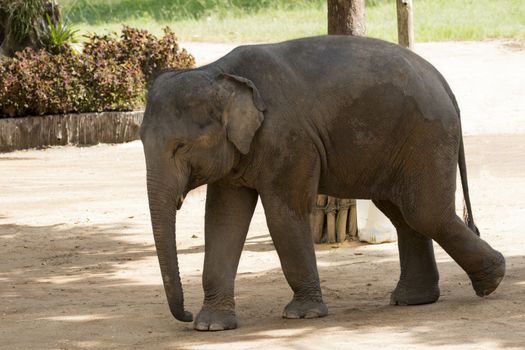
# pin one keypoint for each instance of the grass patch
(265, 20)
(440, 20)
(97, 11)
(270, 25)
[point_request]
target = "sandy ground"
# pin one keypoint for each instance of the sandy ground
(79, 270)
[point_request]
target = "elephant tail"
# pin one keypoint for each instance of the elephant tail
(467, 207)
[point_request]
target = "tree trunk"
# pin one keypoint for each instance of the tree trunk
(5, 33)
(346, 17)
(3, 22)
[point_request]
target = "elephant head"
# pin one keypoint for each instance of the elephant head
(196, 127)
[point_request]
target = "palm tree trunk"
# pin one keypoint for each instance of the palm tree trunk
(21, 23)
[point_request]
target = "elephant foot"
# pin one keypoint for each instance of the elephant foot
(418, 294)
(305, 309)
(215, 320)
(487, 280)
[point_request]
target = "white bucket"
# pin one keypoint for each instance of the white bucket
(373, 225)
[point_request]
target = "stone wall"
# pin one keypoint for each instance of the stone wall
(69, 129)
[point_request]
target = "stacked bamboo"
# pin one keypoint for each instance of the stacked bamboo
(333, 220)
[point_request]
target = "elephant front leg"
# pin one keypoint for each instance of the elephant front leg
(290, 232)
(228, 214)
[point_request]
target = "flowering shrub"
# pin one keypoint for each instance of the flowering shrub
(109, 74)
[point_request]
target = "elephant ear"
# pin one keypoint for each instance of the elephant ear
(243, 111)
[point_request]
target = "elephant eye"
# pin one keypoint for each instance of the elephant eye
(177, 148)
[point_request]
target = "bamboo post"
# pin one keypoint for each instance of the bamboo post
(317, 218)
(342, 219)
(352, 220)
(405, 23)
(330, 219)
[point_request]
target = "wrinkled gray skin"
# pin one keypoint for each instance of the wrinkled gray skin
(344, 116)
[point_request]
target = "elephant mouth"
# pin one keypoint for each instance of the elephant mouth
(180, 200)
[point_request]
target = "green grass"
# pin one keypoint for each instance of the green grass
(271, 25)
(244, 21)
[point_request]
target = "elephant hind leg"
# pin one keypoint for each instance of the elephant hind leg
(418, 281)
(432, 213)
(484, 265)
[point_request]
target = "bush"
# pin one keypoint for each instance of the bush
(153, 54)
(110, 74)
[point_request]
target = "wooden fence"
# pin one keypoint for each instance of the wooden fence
(69, 129)
(333, 220)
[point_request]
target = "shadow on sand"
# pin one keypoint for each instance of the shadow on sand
(99, 287)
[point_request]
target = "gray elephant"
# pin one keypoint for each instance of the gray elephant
(344, 116)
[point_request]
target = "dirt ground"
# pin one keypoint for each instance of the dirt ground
(78, 268)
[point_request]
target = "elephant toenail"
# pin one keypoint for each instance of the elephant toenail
(201, 326)
(290, 315)
(216, 327)
(312, 314)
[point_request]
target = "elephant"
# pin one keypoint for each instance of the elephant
(349, 117)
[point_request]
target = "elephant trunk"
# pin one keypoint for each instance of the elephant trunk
(163, 201)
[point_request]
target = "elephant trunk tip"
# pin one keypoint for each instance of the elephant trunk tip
(181, 314)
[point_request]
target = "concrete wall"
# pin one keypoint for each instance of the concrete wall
(69, 129)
